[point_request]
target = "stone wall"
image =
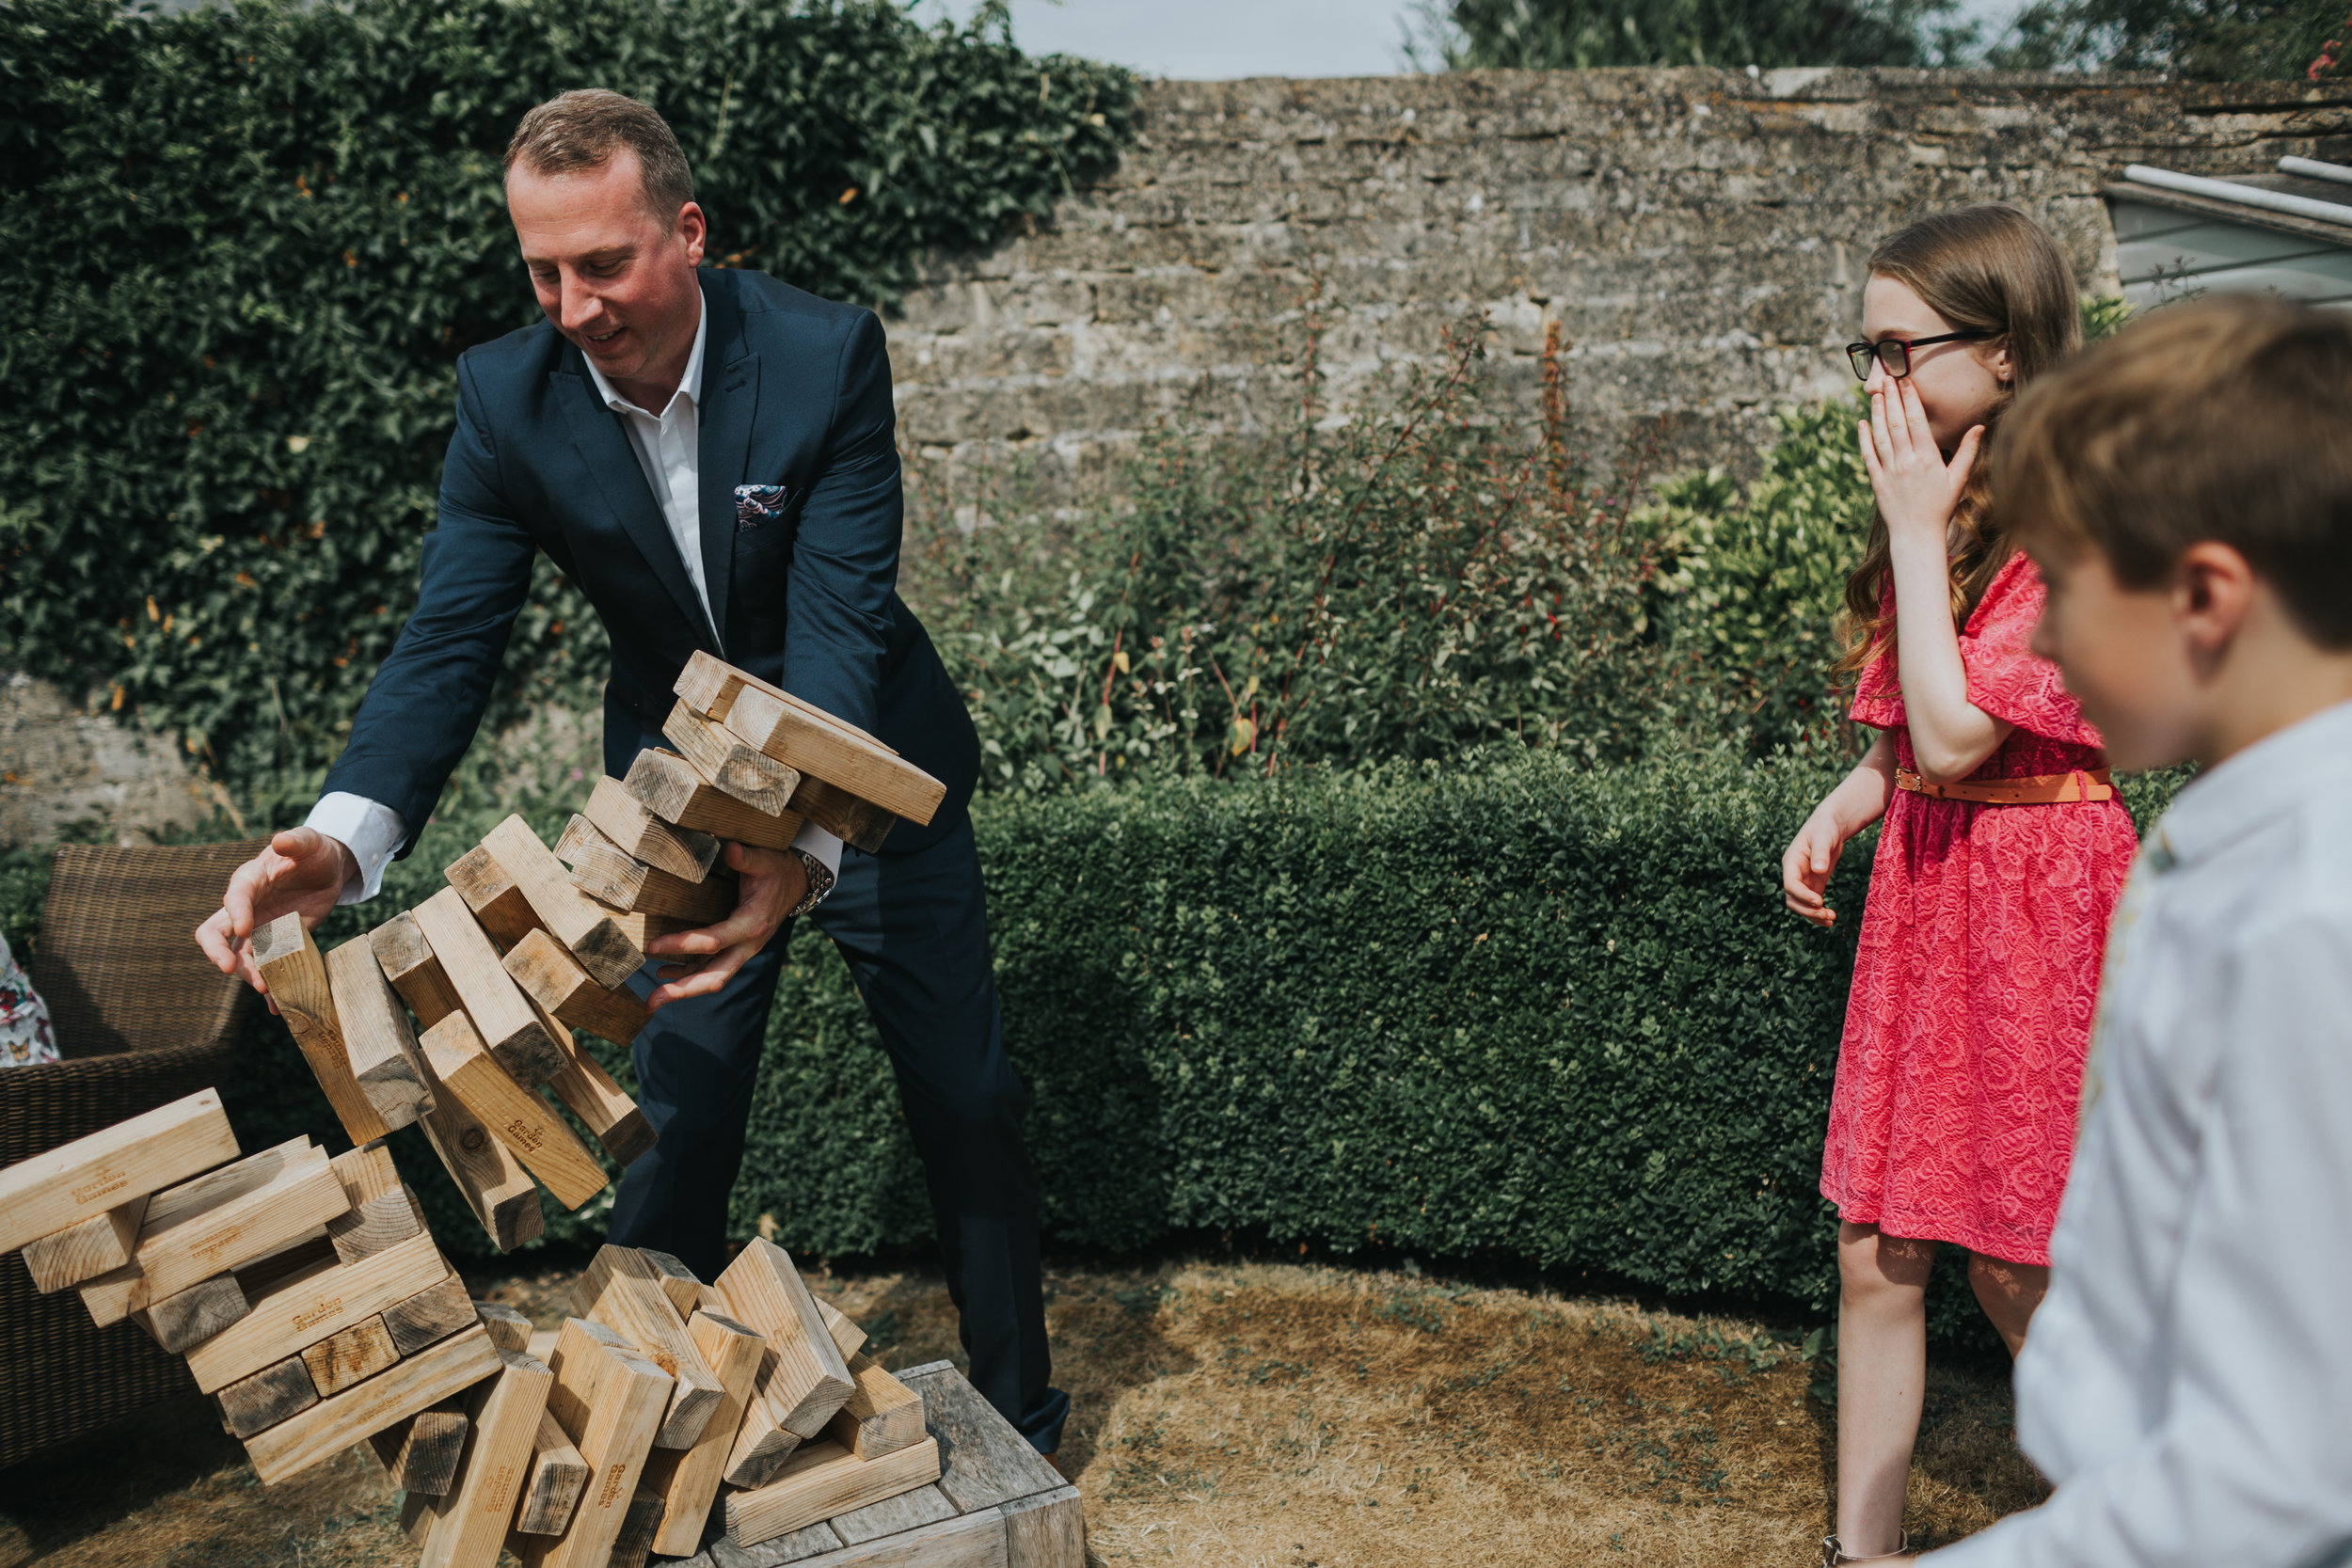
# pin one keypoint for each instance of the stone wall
(1696, 235)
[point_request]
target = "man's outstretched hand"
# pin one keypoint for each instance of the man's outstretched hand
(302, 871)
(770, 883)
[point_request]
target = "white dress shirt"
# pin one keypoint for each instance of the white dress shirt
(668, 449)
(2188, 1381)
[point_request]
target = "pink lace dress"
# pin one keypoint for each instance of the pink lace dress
(1953, 1116)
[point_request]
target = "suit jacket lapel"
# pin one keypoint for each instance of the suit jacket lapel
(612, 464)
(730, 403)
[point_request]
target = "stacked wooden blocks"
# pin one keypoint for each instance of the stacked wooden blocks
(304, 1291)
(311, 1302)
(527, 944)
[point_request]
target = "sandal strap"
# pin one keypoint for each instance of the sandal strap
(1832, 1555)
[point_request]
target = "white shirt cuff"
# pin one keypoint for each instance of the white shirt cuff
(370, 830)
(825, 847)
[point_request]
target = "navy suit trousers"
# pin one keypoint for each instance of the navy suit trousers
(913, 929)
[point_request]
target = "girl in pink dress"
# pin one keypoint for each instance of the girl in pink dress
(2003, 852)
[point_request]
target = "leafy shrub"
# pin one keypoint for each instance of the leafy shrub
(1752, 582)
(1416, 576)
(241, 248)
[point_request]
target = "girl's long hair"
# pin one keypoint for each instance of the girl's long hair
(1989, 268)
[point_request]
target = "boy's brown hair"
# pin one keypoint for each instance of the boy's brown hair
(584, 128)
(2222, 419)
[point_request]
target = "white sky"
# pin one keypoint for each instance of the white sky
(1211, 40)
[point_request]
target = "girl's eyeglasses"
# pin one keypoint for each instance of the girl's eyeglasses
(1895, 354)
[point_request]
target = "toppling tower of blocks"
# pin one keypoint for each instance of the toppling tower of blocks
(311, 1300)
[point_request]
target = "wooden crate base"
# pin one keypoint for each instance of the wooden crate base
(996, 1505)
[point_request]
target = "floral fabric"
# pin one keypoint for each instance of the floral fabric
(1953, 1114)
(25, 1036)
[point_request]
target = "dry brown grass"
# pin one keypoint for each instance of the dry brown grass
(1226, 1413)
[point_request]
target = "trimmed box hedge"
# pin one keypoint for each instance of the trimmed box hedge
(1509, 1007)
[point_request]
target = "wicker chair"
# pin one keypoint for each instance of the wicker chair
(141, 1019)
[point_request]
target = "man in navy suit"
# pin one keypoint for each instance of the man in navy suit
(710, 456)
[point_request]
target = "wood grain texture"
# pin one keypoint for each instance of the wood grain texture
(986, 1461)
(350, 1355)
(185, 1320)
(925, 1505)
(274, 1197)
(501, 1019)
(498, 905)
(493, 1183)
(608, 1399)
(377, 1040)
(75, 1181)
(1048, 1531)
(436, 1312)
(372, 1225)
(973, 1540)
(843, 815)
(525, 1123)
(642, 925)
(292, 967)
(620, 1290)
(407, 962)
(411, 1385)
(277, 1391)
(422, 1453)
(687, 1483)
(114, 1294)
(508, 1329)
(640, 1523)
(807, 1379)
(607, 872)
(847, 1337)
(880, 1415)
(678, 1282)
(573, 918)
(552, 978)
(558, 1476)
(822, 1480)
(821, 748)
(465, 1525)
(713, 782)
(323, 1299)
(718, 684)
(623, 820)
(265, 1275)
(79, 1253)
(600, 1103)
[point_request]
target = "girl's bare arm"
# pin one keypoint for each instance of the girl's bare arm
(1859, 800)
(1917, 493)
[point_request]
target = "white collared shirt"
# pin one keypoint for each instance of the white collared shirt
(669, 448)
(2188, 1381)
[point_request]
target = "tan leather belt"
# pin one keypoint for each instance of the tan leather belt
(2041, 789)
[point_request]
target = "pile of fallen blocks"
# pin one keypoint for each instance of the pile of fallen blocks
(735, 1421)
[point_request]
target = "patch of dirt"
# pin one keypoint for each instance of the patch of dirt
(1288, 1416)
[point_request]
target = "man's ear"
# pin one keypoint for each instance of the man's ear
(694, 229)
(2212, 588)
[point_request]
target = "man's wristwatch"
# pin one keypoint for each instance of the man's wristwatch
(820, 883)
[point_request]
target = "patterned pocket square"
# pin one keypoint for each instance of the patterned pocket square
(757, 505)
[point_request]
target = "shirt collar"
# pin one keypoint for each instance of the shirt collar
(689, 385)
(2257, 786)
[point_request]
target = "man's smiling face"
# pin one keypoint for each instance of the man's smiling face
(613, 278)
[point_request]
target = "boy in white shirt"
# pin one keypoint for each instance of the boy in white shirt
(2186, 490)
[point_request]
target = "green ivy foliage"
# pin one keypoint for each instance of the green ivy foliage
(241, 246)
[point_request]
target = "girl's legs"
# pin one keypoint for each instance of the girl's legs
(1882, 1373)
(2008, 1292)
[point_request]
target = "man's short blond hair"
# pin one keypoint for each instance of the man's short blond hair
(2220, 420)
(584, 128)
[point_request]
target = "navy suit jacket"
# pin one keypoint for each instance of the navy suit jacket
(796, 393)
